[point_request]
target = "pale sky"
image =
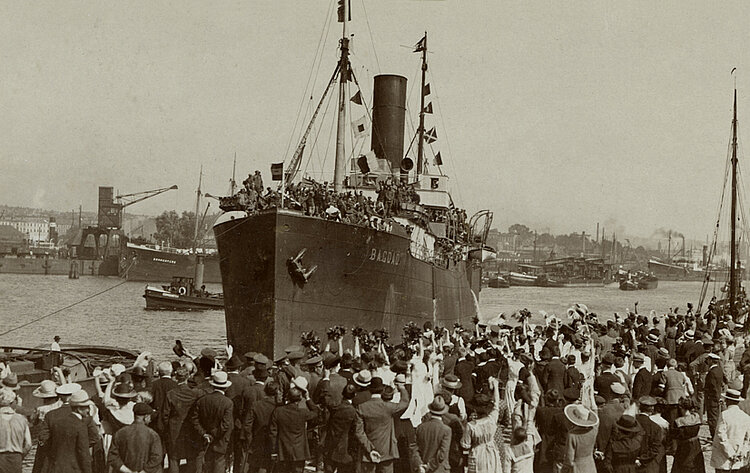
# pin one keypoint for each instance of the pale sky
(553, 114)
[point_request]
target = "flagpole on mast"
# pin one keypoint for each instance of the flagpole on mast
(422, 45)
(340, 166)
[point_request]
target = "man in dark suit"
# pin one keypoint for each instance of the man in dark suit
(288, 431)
(652, 454)
(213, 421)
(463, 369)
(555, 372)
(573, 377)
(603, 382)
(136, 446)
(434, 439)
(159, 390)
(257, 428)
(180, 439)
(377, 416)
(643, 377)
(712, 391)
(343, 434)
(237, 394)
(66, 437)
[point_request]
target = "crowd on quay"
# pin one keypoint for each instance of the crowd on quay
(587, 396)
(320, 200)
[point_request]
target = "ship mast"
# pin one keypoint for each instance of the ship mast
(340, 167)
(232, 183)
(197, 211)
(733, 249)
(420, 143)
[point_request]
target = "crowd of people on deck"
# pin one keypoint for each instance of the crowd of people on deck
(320, 200)
(621, 395)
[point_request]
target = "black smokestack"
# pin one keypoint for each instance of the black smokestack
(388, 115)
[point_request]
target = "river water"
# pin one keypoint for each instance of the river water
(117, 317)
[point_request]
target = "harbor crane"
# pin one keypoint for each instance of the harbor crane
(110, 210)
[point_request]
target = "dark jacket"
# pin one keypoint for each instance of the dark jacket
(213, 416)
(714, 382)
(642, 383)
(137, 447)
(463, 370)
(288, 431)
(344, 432)
(67, 441)
(623, 449)
(180, 435)
(434, 441)
(652, 450)
(603, 385)
(608, 415)
(378, 415)
(259, 437)
(573, 378)
(159, 390)
(554, 375)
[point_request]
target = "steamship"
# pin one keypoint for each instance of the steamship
(285, 271)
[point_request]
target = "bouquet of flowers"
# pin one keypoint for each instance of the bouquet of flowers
(311, 342)
(411, 334)
(336, 332)
(381, 335)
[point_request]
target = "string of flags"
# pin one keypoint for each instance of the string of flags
(430, 136)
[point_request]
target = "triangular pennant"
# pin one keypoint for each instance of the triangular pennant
(421, 45)
(428, 108)
(426, 90)
(438, 159)
(357, 98)
(431, 135)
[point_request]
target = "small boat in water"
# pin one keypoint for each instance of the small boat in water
(182, 294)
(523, 279)
(498, 282)
(638, 281)
(34, 365)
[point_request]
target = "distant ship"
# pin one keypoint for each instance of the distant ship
(286, 270)
(151, 263)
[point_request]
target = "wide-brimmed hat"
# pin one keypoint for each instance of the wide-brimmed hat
(7, 397)
(67, 389)
(220, 380)
(451, 381)
(580, 415)
(300, 382)
(628, 424)
(124, 391)
(363, 378)
(11, 382)
(234, 363)
(79, 398)
(45, 390)
(313, 360)
(732, 395)
(438, 406)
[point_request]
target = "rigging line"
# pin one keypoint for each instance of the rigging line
(318, 57)
(447, 141)
(320, 128)
(63, 308)
(372, 40)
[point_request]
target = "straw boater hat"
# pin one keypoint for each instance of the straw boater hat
(733, 395)
(437, 406)
(80, 398)
(45, 390)
(580, 415)
(653, 338)
(690, 334)
(220, 380)
(68, 389)
(451, 381)
(363, 378)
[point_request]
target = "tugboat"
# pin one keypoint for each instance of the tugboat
(184, 293)
(638, 281)
(387, 247)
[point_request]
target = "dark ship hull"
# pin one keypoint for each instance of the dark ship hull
(362, 277)
(151, 265)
